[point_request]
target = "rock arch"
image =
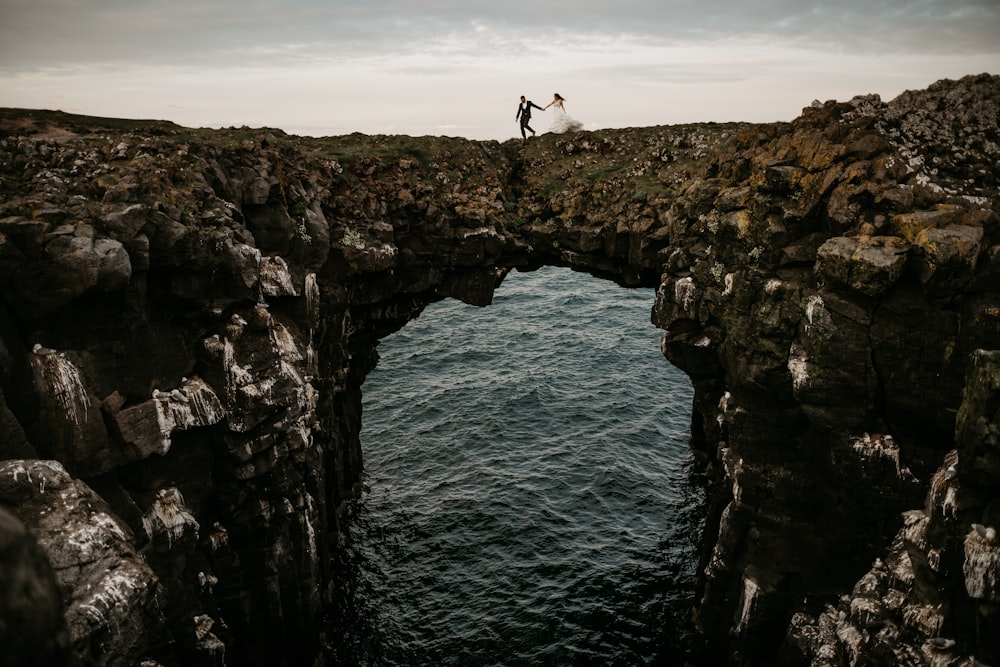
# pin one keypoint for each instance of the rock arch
(186, 318)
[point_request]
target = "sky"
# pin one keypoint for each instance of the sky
(457, 68)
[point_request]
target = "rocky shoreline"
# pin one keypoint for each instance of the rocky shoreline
(187, 316)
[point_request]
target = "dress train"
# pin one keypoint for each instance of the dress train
(563, 123)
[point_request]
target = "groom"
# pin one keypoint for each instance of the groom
(524, 113)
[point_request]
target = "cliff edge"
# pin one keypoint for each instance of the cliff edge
(186, 318)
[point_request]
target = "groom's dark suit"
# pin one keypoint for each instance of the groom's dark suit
(524, 113)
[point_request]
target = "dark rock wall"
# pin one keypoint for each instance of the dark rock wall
(186, 319)
(825, 284)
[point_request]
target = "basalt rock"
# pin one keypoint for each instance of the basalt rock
(187, 316)
(907, 609)
(34, 629)
(111, 612)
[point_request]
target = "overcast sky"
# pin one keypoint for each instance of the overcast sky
(457, 67)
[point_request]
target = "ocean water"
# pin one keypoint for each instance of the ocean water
(529, 497)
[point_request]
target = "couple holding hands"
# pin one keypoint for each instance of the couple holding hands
(562, 122)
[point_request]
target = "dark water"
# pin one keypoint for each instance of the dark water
(529, 496)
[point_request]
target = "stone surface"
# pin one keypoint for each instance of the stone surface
(906, 609)
(110, 590)
(187, 316)
(33, 628)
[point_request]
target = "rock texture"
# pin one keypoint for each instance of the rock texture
(187, 316)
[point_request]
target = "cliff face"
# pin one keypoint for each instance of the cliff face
(187, 317)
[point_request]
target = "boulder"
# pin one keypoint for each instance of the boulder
(870, 265)
(110, 593)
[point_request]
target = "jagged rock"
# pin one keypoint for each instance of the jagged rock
(979, 424)
(169, 521)
(257, 192)
(33, 631)
(68, 414)
(905, 590)
(73, 265)
(982, 565)
(871, 265)
(126, 222)
(206, 308)
(147, 427)
(111, 608)
(275, 279)
(949, 256)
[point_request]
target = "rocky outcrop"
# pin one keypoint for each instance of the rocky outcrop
(33, 631)
(907, 609)
(111, 591)
(188, 315)
(187, 318)
(829, 336)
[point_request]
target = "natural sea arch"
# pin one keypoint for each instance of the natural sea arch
(529, 491)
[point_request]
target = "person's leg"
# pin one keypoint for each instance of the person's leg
(524, 134)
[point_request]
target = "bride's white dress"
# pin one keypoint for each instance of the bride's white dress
(563, 123)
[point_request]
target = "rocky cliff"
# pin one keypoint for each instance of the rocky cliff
(186, 318)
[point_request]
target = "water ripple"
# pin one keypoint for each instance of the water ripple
(529, 492)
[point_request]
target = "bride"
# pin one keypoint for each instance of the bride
(562, 123)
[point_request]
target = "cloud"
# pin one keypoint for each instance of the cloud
(40, 33)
